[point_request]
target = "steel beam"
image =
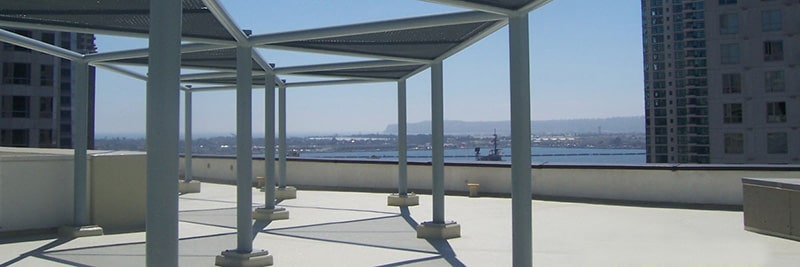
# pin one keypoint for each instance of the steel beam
(139, 53)
(210, 75)
(214, 88)
(473, 6)
(227, 22)
(122, 71)
(342, 66)
(533, 6)
(332, 82)
(39, 46)
(349, 54)
(98, 31)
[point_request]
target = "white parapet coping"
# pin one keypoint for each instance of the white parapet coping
(692, 184)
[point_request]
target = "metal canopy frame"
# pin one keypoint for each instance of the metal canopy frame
(213, 44)
(398, 49)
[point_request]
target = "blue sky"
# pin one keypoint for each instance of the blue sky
(586, 62)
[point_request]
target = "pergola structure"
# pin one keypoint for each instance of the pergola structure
(201, 35)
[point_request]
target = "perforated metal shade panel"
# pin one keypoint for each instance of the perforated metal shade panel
(507, 4)
(257, 81)
(422, 43)
(123, 16)
(394, 72)
(390, 73)
(213, 59)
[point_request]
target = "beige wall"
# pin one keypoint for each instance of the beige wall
(692, 184)
(118, 190)
(35, 200)
(36, 189)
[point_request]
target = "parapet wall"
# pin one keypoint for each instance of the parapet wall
(674, 184)
(36, 189)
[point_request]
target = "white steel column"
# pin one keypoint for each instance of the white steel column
(284, 191)
(402, 197)
(282, 136)
(187, 135)
(269, 141)
(80, 123)
(402, 139)
(187, 186)
(162, 133)
(244, 152)
(438, 228)
(521, 217)
(437, 140)
(269, 212)
(244, 255)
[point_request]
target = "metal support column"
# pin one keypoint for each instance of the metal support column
(284, 191)
(402, 197)
(438, 228)
(244, 153)
(269, 212)
(402, 140)
(187, 136)
(80, 123)
(269, 141)
(162, 133)
(282, 136)
(521, 217)
(437, 140)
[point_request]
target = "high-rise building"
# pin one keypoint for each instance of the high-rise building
(36, 92)
(722, 81)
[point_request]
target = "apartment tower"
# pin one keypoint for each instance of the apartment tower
(722, 81)
(36, 92)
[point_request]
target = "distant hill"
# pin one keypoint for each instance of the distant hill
(634, 124)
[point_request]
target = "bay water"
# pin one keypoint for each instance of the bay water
(538, 155)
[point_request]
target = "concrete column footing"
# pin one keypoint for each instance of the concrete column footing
(398, 200)
(434, 230)
(288, 192)
(233, 258)
(69, 231)
(270, 214)
(190, 187)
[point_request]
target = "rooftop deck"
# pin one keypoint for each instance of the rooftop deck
(359, 229)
